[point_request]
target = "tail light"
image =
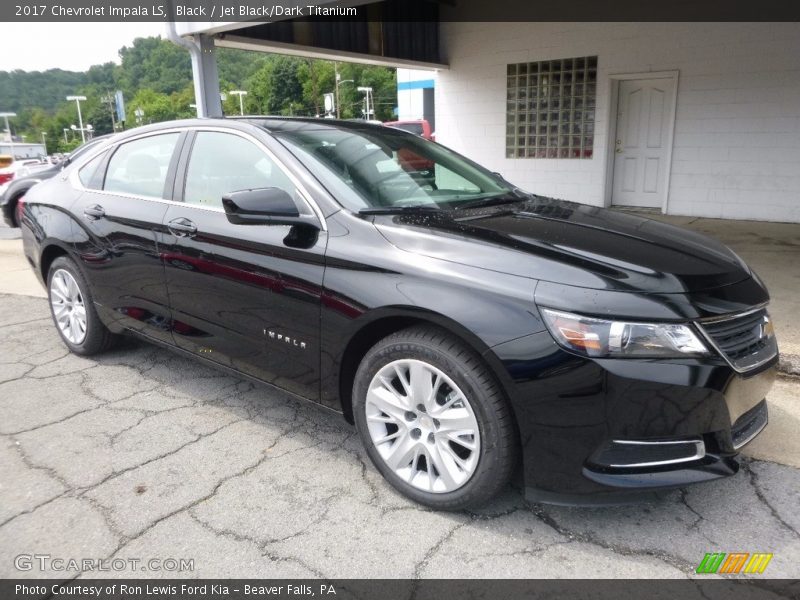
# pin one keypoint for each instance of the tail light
(6, 177)
(20, 208)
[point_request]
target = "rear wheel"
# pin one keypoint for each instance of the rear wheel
(73, 311)
(433, 420)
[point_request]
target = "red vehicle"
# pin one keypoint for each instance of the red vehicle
(420, 127)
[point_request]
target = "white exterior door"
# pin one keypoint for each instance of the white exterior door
(643, 142)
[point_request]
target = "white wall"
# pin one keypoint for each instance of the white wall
(409, 102)
(737, 130)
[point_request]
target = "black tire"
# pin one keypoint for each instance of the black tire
(98, 338)
(499, 444)
(11, 210)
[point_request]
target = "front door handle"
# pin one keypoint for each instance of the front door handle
(94, 212)
(182, 227)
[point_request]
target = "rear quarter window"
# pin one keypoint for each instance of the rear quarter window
(87, 173)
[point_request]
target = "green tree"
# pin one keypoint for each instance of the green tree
(156, 64)
(317, 79)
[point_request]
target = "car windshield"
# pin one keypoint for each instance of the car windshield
(382, 167)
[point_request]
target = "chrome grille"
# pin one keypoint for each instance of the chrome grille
(745, 340)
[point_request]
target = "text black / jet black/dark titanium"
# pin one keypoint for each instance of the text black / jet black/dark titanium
(463, 325)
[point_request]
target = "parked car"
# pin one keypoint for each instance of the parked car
(458, 322)
(420, 127)
(7, 168)
(16, 187)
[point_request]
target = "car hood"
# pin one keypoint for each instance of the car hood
(571, 244)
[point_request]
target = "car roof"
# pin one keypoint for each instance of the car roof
(268, 122)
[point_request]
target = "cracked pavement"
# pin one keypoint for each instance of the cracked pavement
(141, 453)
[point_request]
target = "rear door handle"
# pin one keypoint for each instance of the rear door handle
(94, 212)
(182, 227)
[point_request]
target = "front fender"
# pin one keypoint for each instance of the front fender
(369, 281)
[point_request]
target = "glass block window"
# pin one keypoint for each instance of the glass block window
(550, 108)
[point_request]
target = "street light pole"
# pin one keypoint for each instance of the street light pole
(44, 142)
(368, 106)
(80, 118)
(241, 94)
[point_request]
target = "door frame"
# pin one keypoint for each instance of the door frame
(613, 95)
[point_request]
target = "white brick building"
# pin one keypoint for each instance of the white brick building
(698, 119)
(735, 151)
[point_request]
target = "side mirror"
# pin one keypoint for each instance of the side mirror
(264, 206)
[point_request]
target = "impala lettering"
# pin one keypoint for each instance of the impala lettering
(279, 337)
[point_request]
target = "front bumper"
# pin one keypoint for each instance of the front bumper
(593, 428)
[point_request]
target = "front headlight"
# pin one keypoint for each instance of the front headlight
(619, 339)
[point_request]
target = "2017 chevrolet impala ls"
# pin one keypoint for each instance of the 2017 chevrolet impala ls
(461, 324)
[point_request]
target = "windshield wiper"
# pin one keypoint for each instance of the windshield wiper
(398, 210)
(493, 201)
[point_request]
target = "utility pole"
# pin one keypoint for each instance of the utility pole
(109, 99)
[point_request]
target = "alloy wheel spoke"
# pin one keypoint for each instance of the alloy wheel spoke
(80, 311)
(389, 437)
(387, 401)
(72, 289)
(59, 309)
(457, 437)
(402, 453)
(448, 471)
(57, 296)
(457, 420)
(421, 384)
(452, 398)
(404, 380)
(61, 285)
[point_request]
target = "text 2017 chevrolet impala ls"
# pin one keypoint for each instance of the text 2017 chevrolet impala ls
(460, 323)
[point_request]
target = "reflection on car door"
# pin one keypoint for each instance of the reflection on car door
(245, 296)
(118, 213)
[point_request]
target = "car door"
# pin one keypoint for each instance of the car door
(245, 296)
(123, 203)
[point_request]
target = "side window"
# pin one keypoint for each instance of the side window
(140, 167)
(89, 170)
(222, 163)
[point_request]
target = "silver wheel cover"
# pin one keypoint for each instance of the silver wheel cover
(69, 310)
(423, 426)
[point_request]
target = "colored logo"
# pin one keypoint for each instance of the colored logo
(734, 563)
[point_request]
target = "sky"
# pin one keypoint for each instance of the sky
(68, 46)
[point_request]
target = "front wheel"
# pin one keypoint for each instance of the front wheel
(433, 420)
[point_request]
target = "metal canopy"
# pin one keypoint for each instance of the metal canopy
(399, 33)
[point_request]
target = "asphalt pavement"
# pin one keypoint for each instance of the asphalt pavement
(142, 454)
(151, 459)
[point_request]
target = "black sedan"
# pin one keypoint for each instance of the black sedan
(17, 188)
(461, 324)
